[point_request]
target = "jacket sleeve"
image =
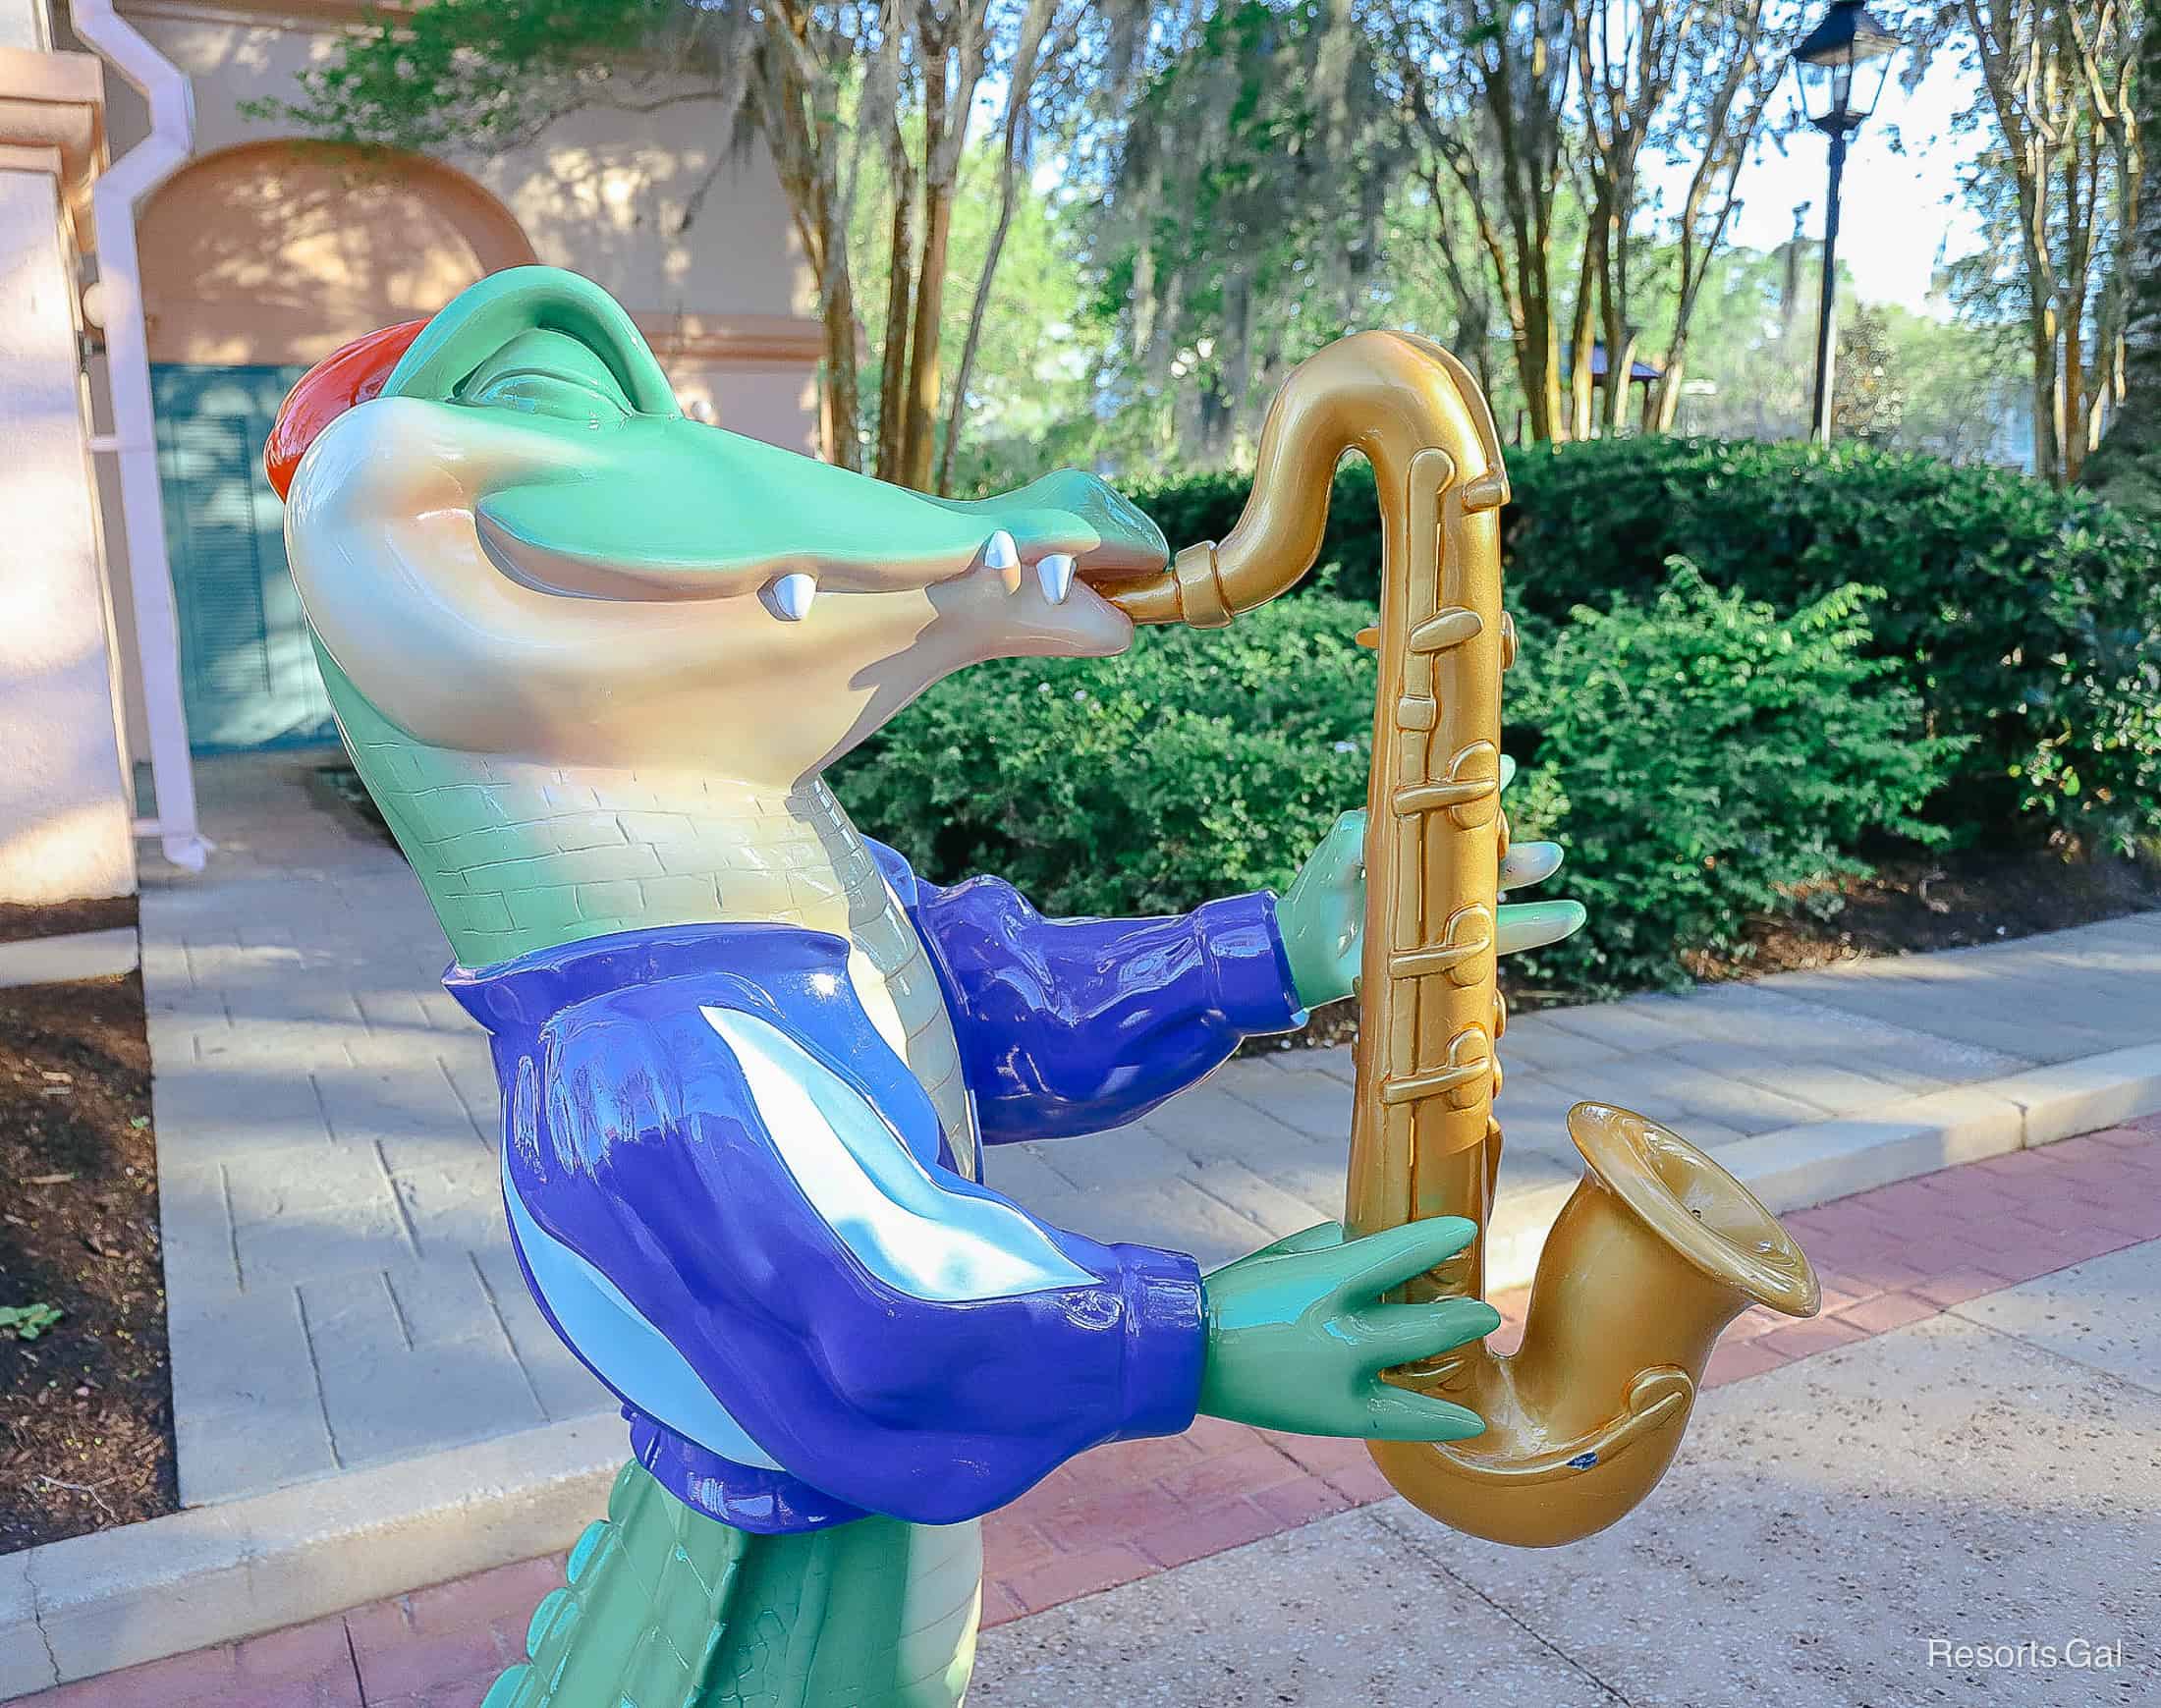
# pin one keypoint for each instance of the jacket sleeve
(891, 1333)
(1079, 1026)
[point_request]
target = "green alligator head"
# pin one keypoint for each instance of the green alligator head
(522, 547)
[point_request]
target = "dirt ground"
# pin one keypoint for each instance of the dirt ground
(1950, 901)
(19, 923)
(1947, 900)
(85, 1407)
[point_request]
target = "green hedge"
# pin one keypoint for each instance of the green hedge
(1194, 765)
(1696, 756)
(2027, 619)
(1701, 758)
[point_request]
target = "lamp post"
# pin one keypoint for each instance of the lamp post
(1838, 94)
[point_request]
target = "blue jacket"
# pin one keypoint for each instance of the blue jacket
(735, 1204)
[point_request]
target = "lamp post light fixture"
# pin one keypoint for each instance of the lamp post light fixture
(1841, 66)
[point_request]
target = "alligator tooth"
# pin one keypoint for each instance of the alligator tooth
(1000, 553)
(1054, 574)
(792, 593)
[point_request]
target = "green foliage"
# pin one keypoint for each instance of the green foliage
(2003, 596)
(1701, 758)
(1238, 218)
(2027, 619)
(1698, 756)
(1193, 766)
(1868, 385)
(25, 1322)
(486, 73)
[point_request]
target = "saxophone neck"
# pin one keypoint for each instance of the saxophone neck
(1389, 396)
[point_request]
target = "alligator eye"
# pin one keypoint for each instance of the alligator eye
(550, 394)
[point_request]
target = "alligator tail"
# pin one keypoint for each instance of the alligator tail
(666, 1607)
(645, 1606)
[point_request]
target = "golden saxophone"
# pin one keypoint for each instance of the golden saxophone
(1659, 1249)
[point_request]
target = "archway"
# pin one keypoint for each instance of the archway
(259, 261)
(273, 253)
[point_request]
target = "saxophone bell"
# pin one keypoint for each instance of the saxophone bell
(1659, 1248)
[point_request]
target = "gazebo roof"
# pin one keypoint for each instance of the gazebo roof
(1640, 372)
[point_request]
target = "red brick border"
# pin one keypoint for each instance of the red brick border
(1888, 1257)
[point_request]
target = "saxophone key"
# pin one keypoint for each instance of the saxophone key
(1447, 628)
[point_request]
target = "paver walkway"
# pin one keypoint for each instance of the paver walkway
(1962, 1447)
(340, 1288)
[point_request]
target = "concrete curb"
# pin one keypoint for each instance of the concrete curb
(1796, 1166)
(73, 1610)
(76, 955)
(212, 1575)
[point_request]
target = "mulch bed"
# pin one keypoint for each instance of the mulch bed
(19, 921)
(86, 1406)
(1912, 906)
(1950, 901)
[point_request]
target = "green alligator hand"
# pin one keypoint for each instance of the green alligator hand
(1323, 915)
(1299, 1334)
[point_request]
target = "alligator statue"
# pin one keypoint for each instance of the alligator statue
(590, 658)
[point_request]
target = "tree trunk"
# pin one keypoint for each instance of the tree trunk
(1020, 122)
(2126, 468)
(1619, 366)
(1582, 386)
(1505, 150)
(842, 403)
(2048, 396)
(1619, 334)
(2040, 270)
(925, 378)
(1666, 391)
(1539, 359)
(789, 99)
(1009, 183)
(920, 402)
(2078, 211)
(899, 307)
(1539, 354)
(1620, 347)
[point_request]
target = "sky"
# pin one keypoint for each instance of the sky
(1899, 208)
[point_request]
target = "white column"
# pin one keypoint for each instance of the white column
(64, 803)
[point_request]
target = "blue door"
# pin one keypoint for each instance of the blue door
(247, 675)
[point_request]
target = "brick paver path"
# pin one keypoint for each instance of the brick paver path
(341, 1289)
(1888, 1257)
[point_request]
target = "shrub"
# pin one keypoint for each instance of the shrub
(2026, 619)
(1196, 765)
(1695, 756)
(1700, 758)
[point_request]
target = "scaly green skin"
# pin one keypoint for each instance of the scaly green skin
(595, 486)
(664, 1606)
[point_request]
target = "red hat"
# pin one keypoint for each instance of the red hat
(350, 375)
